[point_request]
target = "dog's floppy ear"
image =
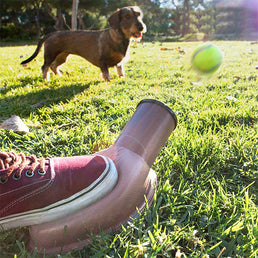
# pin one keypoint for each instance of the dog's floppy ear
(114, 19)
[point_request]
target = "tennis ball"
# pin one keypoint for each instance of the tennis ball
(206, 58)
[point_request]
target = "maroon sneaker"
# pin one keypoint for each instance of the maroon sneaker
(133, 154)
(36, 191)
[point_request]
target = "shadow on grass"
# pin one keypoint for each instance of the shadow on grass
(23, 82)
(26, 103)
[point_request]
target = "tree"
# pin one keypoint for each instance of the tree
(74, 14)
(28, 19)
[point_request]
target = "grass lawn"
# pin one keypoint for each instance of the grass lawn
(206, 200)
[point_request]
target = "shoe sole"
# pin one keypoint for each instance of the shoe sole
(80, 242)
(98, 189)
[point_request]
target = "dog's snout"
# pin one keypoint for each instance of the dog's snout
(139, 26)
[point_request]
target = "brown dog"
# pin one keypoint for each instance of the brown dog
(103, 48)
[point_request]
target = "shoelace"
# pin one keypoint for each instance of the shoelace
(13, 161)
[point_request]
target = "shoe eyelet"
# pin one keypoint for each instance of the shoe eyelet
(29, 173)
(41, 173)
(16, 178)
(3, 182)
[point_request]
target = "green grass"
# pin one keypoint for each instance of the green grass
(206, 199)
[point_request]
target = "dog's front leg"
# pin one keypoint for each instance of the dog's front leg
(105, 72)
(120, 70)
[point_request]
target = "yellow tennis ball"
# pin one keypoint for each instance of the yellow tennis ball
(206, 58)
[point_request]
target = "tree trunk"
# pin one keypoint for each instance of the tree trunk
(74, 14)
(186, 15)
(37, 20)
(81, 22)
(60, 20)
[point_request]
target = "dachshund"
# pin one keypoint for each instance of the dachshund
(103, 48)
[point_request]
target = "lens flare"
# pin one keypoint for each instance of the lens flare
(250, 7)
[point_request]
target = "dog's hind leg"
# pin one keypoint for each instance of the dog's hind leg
(45, 71)
(105, 72)
(47, 62)
(49, 57)
(120, 70)
(59, 60)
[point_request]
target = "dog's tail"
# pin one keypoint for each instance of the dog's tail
(41, 42)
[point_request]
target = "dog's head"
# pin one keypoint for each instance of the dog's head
(129, 21)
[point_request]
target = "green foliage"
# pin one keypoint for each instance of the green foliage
(11, 32)
(206, 198)
(28, 19)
